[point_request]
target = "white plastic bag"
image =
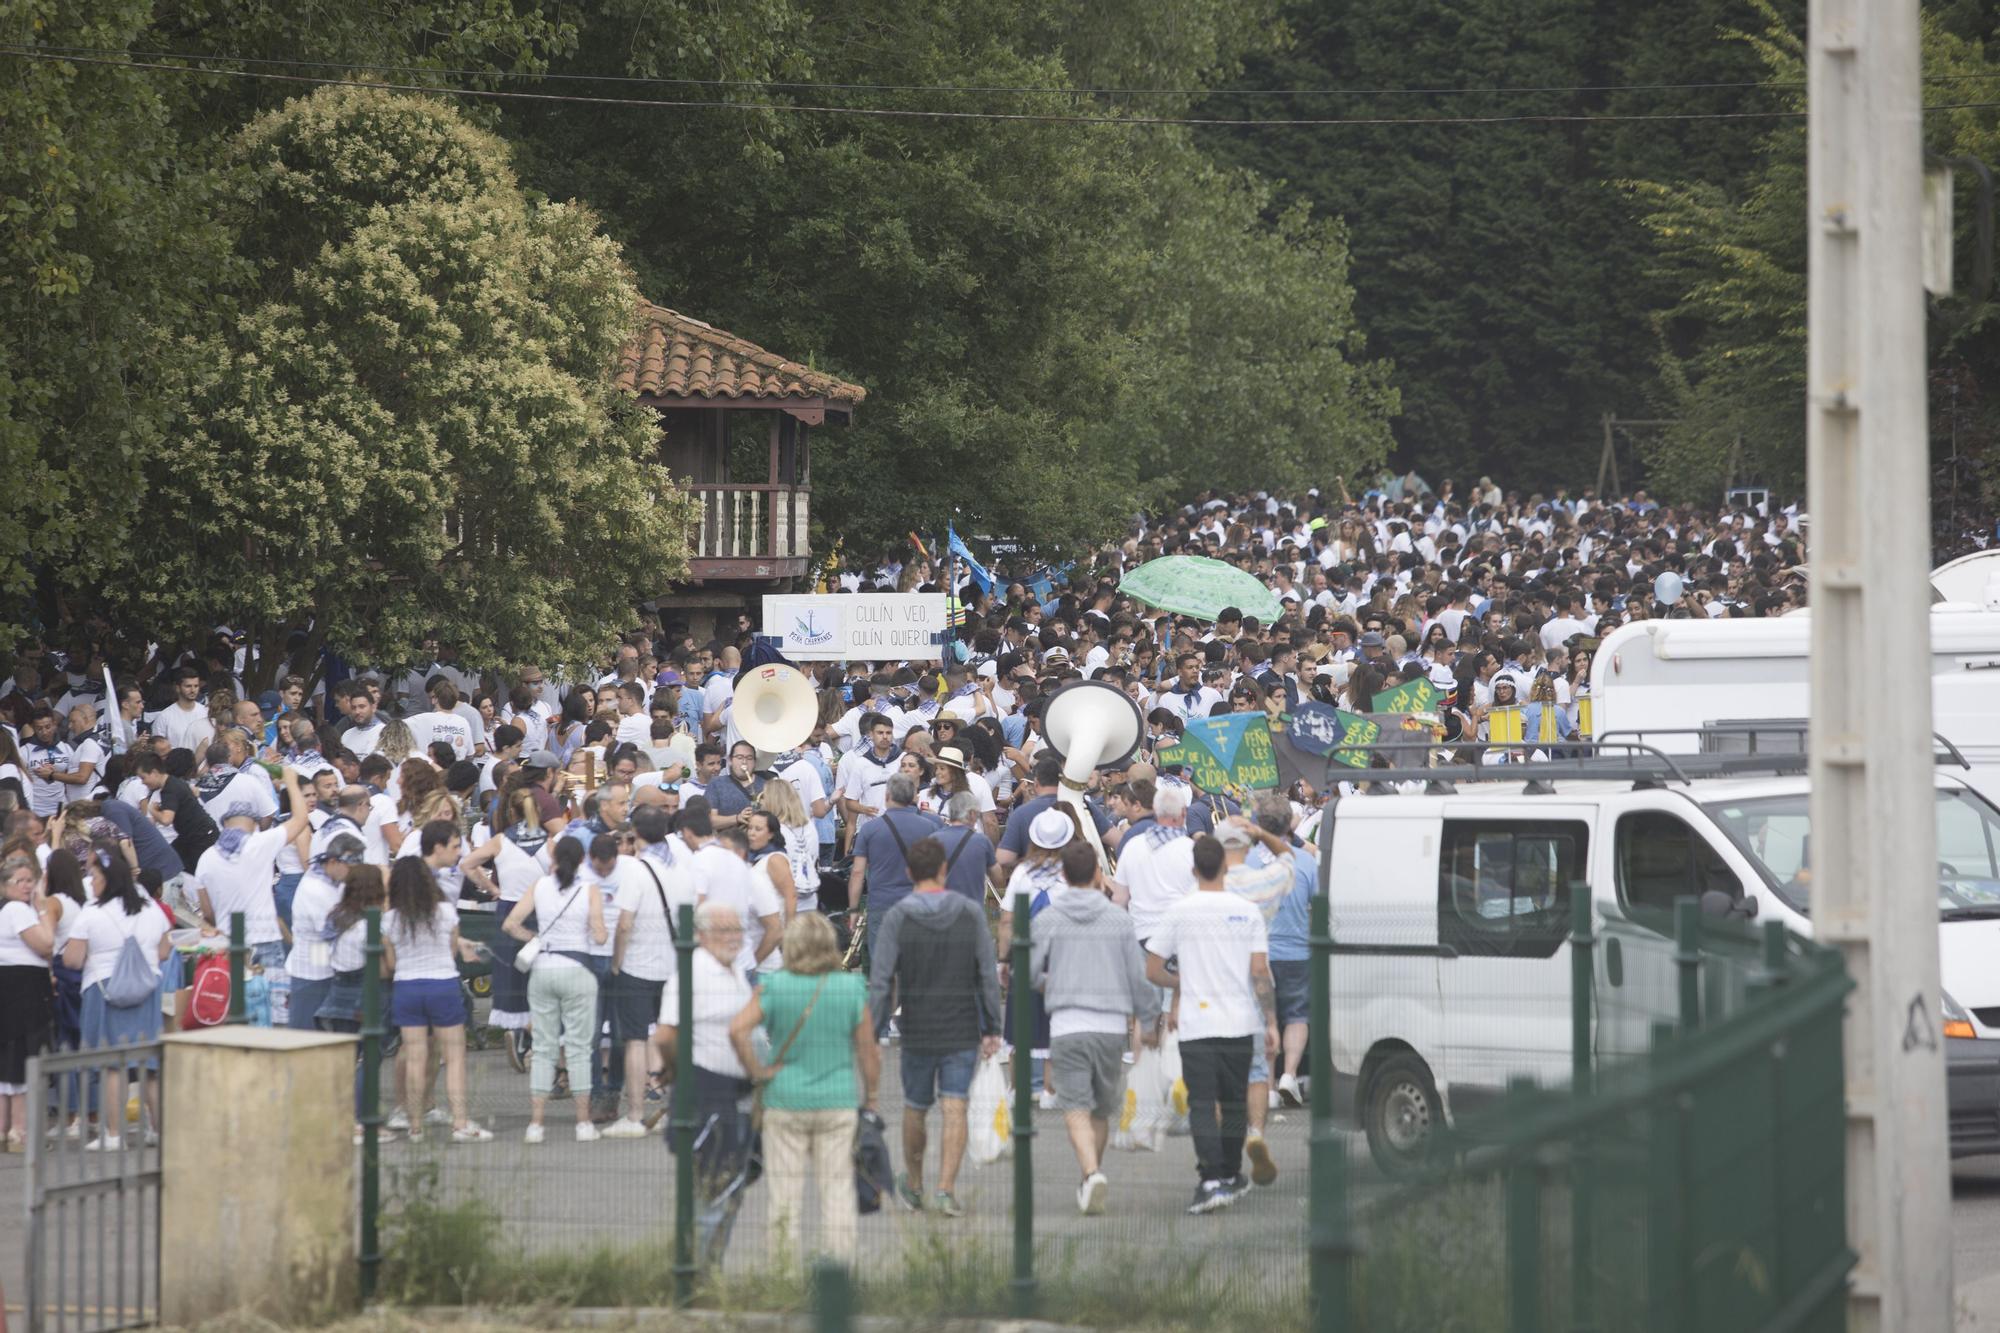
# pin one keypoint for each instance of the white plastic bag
(1174, 1085)
(990, 1125)
(1142, 1125)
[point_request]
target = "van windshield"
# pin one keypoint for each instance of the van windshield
(1775, 832)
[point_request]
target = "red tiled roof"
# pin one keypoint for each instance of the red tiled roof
(678, 357)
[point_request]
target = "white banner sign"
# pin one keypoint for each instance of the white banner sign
(858, 627)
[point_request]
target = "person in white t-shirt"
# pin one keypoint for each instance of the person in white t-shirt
(421, 944)
(442, 723)
(720, 866)
(1219, 946)
(185, 722)
(239, 874)
(365, 734)
(651, 892)
(120, 910)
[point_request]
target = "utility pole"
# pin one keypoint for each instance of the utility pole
(1874, 841)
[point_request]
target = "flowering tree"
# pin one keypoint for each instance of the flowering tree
(406, 420)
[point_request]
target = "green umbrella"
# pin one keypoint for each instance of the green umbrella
(1194, 585)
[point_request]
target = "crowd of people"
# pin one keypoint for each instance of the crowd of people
(853, 893)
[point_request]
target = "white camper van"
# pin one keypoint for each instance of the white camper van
(1451, 915)
(1671, 678)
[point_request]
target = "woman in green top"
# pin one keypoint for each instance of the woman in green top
(816, 1016)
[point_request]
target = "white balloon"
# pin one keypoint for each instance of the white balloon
(1668, 587)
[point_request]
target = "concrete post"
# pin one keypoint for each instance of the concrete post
(257, 1175)
(1873, 828)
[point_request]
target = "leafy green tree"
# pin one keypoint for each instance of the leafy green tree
(1054, 321)
(407, 422)
(1734, 344)
(106, 242)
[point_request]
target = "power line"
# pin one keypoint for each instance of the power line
(919, 113)
(660, 80)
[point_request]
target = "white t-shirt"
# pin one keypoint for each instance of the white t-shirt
(430, 728)
(70, 909)
(361, 741)
(635, 730)
(242, 883)
(311, 958)
(865, 779)
(1157, 869)
(16, 918)
(47, 797)
(423, 954)
(247, 788)
(720, 992)
(806, 782)
(719, 690)
(722, 876)
(104, 928)
(649, 951)
(186, 728)
(1214, 935)
(381, 811)
(560, 929)
(765, 900)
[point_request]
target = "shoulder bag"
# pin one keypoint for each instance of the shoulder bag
(778, 1056)
(524, 961)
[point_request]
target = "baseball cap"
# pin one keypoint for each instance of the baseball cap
(989, 669)
(1373, 639)
(542, 759)
(1052, 829)
(666, 678)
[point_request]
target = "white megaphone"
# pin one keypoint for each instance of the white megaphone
(776, 710)
(1090, 724)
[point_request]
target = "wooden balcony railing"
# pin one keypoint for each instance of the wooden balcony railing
(762, 526)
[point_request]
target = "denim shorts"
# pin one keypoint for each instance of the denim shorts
(929, 1077)
(103, 1024)
(429, 1002)
(1293, 982)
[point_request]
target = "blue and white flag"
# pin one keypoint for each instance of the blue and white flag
(957, 546)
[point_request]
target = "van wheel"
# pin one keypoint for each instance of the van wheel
(1402, 1115)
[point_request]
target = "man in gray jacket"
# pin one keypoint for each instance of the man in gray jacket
(1092, 974)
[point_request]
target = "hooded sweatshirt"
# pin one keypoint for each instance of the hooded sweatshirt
(933, 955)
(1085, 957)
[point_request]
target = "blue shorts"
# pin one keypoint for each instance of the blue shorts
(103, 1024)
(929, 1077)
(1293, 982)
(431, 1002)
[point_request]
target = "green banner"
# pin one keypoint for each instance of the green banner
(1355, 730)
(1414, 696)
(1232, 753)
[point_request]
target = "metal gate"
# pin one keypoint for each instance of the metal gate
(93, 1197)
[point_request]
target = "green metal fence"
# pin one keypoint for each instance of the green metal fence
(1696, 1184)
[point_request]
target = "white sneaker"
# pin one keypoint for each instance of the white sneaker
(587, 1132)
(1090, 1194)
(535, 1134)
(627, 1128)
(472, 1132)
(437, 1115)
(105, 1143)
(1275, 1102)
(399, 1120)
(152, 1138)
(74, 1131)
(1288, 1091)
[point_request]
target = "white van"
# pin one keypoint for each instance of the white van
(1668, 677)
(1451, 916)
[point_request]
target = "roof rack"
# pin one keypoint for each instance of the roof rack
(1592, 761)
(1753, 731)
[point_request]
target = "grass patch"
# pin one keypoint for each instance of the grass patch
(457, 1254)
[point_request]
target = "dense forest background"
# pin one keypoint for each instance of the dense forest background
(1455, 236)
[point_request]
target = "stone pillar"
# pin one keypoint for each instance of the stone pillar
(257, 1208)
